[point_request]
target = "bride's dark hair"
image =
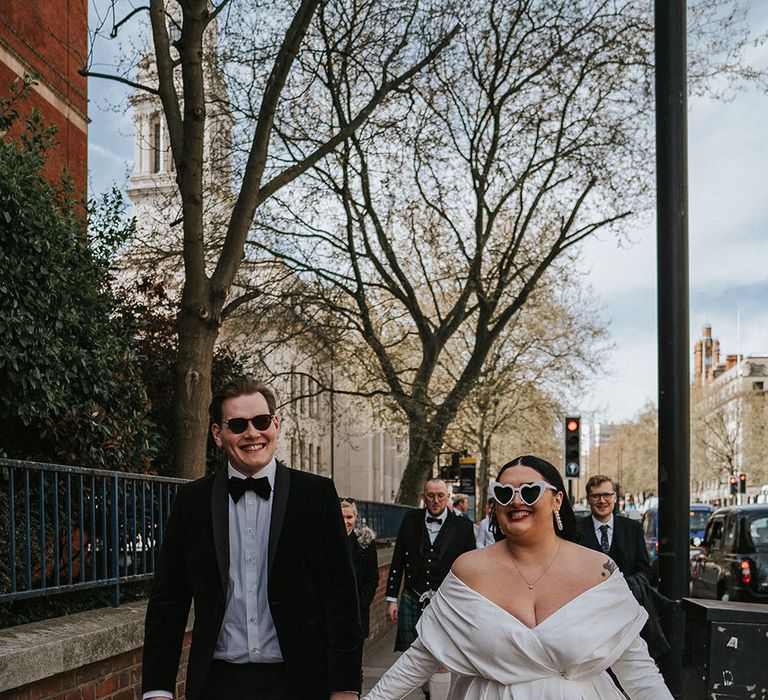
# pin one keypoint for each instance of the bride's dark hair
(552, 476)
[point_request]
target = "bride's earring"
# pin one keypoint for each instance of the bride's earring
(558, 520)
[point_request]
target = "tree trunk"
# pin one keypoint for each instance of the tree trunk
(192, 391)
(424, 441)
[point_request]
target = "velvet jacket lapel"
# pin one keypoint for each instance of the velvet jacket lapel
(280, 500)
(220, 516)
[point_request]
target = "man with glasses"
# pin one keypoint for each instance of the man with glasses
(622, 539)
(261, 550)
(619, 537)
(428, 542)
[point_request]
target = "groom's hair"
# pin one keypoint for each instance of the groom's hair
(243, 386)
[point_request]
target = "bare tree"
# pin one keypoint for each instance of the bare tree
(631, 455)
(272, 62)
(539, 366)
(532, 133)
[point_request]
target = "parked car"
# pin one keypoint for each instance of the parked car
(733, 561)
(581, 511)
(699, 514)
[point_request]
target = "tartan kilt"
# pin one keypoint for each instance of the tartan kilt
(408, 613)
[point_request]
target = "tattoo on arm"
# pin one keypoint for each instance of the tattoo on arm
(609, 567)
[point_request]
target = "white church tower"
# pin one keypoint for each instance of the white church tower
(152, 187)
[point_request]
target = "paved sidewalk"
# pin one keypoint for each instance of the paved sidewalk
(378, 657)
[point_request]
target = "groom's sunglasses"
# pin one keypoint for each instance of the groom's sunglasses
(240, 425)
(503, 494)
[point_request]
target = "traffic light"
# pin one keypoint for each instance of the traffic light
(572, 447)
(734, 485)
(742, 483)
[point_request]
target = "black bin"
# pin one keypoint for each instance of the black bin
(726, 650)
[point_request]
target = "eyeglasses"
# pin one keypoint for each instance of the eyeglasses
(504, 494)
(601, 496)
(346, 499)
(240, 425)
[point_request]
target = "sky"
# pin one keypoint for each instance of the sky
(728, 237)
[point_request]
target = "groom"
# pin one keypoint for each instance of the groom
(261, 550)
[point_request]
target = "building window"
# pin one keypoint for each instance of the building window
(154, 145)
(319, 460)
(758, 386)
(294, 462)
(311, 457)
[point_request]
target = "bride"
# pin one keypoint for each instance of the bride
(533, 616)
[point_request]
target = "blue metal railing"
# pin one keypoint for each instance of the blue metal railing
(67, 528)
(383, 518)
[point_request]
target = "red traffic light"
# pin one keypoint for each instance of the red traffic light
(733, 481)
(572, 425)
(742, 477)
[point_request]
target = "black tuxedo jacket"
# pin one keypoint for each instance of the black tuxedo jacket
(627, 547)
(311, 588)
(424, 565)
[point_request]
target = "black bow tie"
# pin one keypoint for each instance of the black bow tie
(430, 519)
(237, 487)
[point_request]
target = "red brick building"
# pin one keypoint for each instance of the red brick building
(50, 37)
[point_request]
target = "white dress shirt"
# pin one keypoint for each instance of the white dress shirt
(247, 632)
(598, 532)
(433, 529)
(484, 534)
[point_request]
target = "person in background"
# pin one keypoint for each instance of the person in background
(484, 534)
(622, 539)
(461, 505)
(362, 546)
(428, 542)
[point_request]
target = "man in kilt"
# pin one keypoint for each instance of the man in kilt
(429, 541)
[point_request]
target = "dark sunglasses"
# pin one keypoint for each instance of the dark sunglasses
(240, 425)
(503, 494)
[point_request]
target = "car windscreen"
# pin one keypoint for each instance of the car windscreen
(699, 519)
(757, 527)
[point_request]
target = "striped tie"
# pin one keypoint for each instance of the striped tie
(604, 545)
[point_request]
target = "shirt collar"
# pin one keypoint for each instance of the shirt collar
(440, 517)
(268, 471)
(597, 524)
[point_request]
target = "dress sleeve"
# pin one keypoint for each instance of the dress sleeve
(638, 674)
(409, 672)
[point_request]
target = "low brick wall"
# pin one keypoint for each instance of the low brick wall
(97, 654)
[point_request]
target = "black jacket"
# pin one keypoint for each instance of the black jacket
(365, 560)
(311, 587)
(422, 565)
(629, 552)
(627, 547)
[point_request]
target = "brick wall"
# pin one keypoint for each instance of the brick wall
(50, 37)
(52, 660)
(115, 678)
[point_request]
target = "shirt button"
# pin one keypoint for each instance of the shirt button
(250, 502)
(251, 588)
(252, 620)
(253, 650)
(250, 530)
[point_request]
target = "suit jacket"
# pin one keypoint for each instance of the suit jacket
(629, 552)
(424, 565)
(366, 564)
(627, 547)
(311, 587)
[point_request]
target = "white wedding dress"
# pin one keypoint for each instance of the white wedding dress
(497, 657)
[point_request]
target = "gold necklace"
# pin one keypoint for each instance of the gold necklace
(546, 568)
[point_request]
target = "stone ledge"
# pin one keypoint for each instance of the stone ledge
(39, 650)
